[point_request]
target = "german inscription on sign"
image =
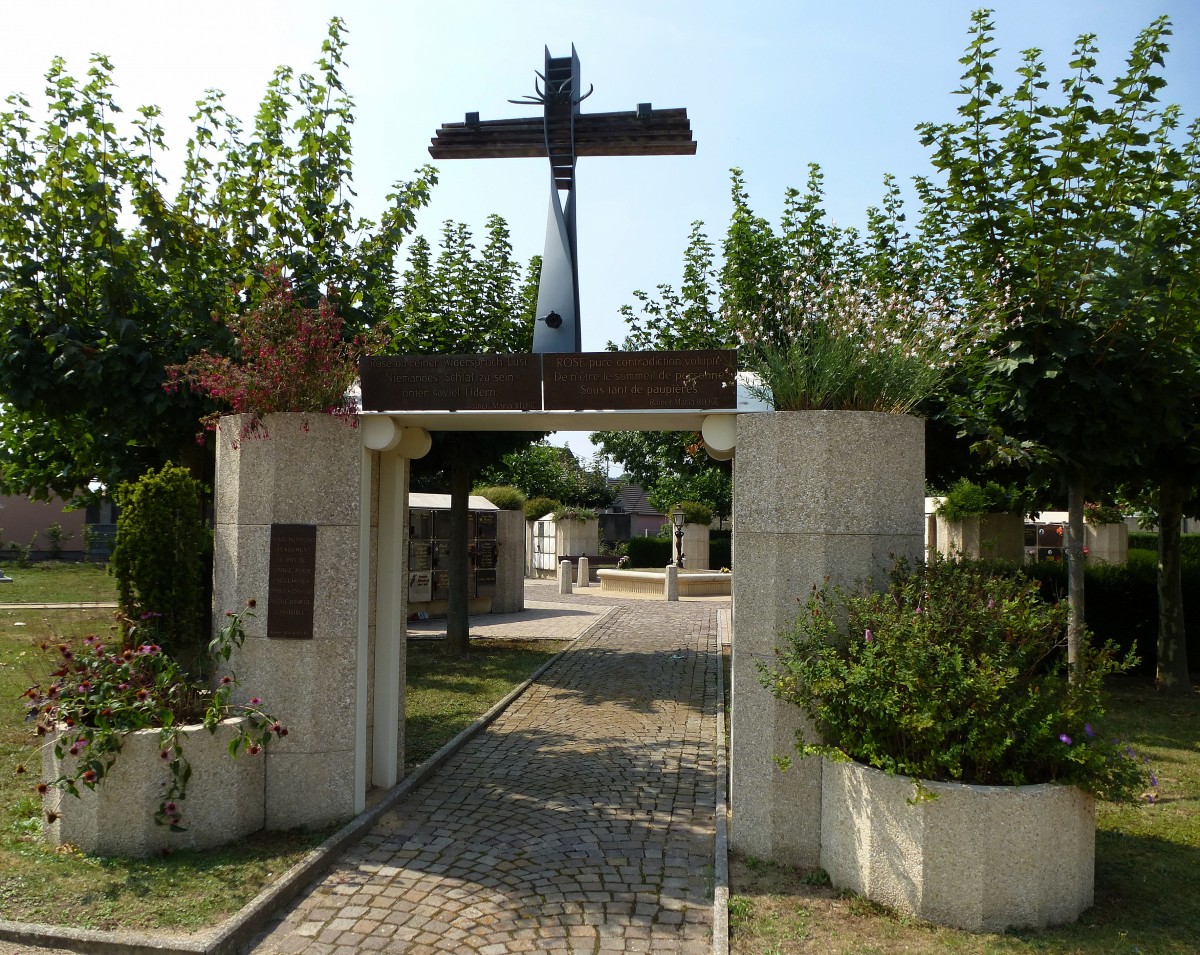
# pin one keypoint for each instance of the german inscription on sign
(640, 380)
(292, 581)
(451, 383)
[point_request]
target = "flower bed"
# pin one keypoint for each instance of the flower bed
(224, 796)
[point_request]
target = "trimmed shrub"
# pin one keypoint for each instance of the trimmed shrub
(505, 498)
(696, 513)
(160, 558)
(569, 512)
(538, 507)
(653, 552)
(967, 499)
(957, 673)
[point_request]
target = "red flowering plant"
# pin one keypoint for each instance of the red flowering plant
(97, 694)
(288, 358)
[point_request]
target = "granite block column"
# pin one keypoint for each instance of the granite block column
(819, 496)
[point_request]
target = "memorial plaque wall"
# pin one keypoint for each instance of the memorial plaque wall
(640, 380)
(291, 582)
(451, 383)
(570, 381)
(429, 554)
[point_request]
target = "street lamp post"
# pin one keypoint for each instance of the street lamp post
(678, 519)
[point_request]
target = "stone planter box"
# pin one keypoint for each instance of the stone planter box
(989, 536)
(1107, 543)
(224, 797)
(980, 858)
(695, 547)
(575, 538)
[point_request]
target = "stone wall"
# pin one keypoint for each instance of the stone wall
(819, 495)
(511, 530)
(310, 470)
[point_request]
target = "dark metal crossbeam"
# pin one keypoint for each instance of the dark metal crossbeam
(663, 132)
(563, 134)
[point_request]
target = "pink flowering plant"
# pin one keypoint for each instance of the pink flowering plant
(287, 358)
(956, 673)
(96, 694)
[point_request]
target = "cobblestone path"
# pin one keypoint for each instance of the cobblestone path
(581, 820)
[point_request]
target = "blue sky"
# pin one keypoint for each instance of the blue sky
(769, 87)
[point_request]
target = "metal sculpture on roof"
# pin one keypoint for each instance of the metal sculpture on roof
(563, 134)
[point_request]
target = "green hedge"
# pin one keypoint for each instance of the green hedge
(1148, 540)
(650, 552)
(720, 549)
(1121, 603)
(659, 551)
(538, 507)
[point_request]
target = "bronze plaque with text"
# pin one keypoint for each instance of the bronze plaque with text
(644, 381)
(451, 383)
(292, 581)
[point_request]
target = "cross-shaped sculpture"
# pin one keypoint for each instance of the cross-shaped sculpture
(563, 134)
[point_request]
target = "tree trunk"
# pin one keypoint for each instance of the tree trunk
(458, 628)
(1075, 578)
(1171, 674)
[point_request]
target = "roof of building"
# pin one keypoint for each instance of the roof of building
(441, 502)
(631, 498)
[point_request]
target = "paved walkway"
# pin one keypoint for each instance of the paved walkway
(581, 820)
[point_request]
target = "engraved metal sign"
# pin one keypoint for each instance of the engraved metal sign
(486, 554)
(292, 581)
(640, 380)
(451, 383)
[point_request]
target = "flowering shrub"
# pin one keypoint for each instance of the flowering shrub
(841, 345)
(956, 675)
(99, 694)
(290, 358)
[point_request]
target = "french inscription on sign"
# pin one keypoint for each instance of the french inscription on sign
(451, 383)
(292, 581)
(640, 380)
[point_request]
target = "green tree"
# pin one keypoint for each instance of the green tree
(769, 279)
(1044, 213)
(690, 318)
(107, 281)
(463, 302)
(543, 470)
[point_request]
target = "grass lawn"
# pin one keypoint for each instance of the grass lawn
(187, 890)
(444, 697)
(1147, 872)
(55, 582)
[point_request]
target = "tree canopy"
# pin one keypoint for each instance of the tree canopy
(107, 279)
(1068, 222)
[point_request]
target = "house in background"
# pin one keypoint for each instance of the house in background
(24, 522)
(630, 515)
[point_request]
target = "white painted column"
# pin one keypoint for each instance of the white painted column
(363, 637)
(387, 744)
